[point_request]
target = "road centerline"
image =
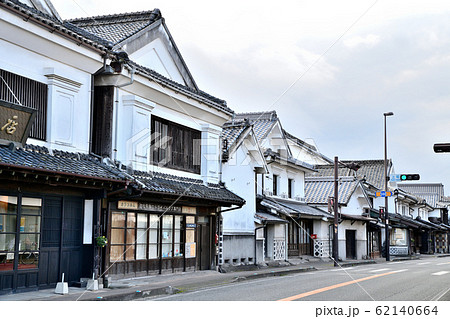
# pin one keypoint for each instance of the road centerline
(343, 284)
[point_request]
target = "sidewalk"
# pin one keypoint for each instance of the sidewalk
(138, 288)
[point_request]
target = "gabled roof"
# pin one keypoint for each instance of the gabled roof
(231, 133)
(97, 42)
(116, 27)
(372, 171)
(262, 122)
(55, 25)
(433, 193)
(319, 189)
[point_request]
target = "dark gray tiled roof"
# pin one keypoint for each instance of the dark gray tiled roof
(187, 187)
(290, 160)
(433, 193)
(298, 208)
(232, 132)
(262, 122)
(318, 190)
(370, 170)
(63, 27)
(36, 157)
(269, 218)
(117, 27)
(33, 157)
(80, 31)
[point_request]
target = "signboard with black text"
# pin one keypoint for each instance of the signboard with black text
(15, 123)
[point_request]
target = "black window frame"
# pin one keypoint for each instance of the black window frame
(290, 188)
(179, 146)
(275, 184)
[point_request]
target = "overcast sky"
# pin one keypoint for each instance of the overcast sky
(329, 68)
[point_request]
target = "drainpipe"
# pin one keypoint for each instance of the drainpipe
(116, 110)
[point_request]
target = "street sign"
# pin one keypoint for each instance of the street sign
(383, 194)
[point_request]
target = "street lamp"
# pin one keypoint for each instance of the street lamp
(386, 179)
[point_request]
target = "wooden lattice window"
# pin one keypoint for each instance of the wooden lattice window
(29, 93)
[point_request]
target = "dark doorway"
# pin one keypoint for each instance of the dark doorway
(204, 240)
(61, 243)
(350, 243)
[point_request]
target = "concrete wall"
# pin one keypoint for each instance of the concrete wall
(238, 249)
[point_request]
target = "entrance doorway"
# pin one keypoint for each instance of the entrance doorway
(299, 237)
(350, 243)
(204, 240)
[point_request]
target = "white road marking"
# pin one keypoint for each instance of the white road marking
(440, 273)
(401, 270)
(425, 263)
(440, 264)
(378, 270)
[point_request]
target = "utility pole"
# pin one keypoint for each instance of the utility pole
(336, 219)
(386, 179)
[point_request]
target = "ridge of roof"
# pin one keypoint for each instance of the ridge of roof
(258, 116)
(121, 17)
(117, 27)
(62, 27)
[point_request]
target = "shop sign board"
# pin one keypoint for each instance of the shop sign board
(15, 123)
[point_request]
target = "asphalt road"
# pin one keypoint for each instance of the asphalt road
(412, 280)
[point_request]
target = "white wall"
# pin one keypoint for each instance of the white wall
(133, 120)
(239, 178)
(69, 96)
(284, 174)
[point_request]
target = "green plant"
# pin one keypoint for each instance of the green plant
(101, 241)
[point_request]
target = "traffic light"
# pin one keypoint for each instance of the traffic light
(441, 148)
(409, 177)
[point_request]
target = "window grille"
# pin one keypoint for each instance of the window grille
(29, 93)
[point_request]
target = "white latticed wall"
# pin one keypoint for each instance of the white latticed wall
(279, 250)
(318, 248)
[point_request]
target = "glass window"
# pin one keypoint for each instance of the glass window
(23, 246)
(118, 219)
(153, 248)
(29, 232)
(167, 235)
(190, 232)
(398, 237)
(178, 238)
(116, 253)
(141, 240)
(118, 235)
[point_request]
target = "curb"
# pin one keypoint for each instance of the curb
(169, 290)
(138, 294)
(274, 273)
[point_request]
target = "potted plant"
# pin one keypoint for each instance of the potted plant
(101, 241)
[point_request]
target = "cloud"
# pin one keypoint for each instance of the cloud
(368, 41)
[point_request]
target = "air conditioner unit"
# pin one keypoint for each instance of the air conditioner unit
(284, 195)
(268, 193)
